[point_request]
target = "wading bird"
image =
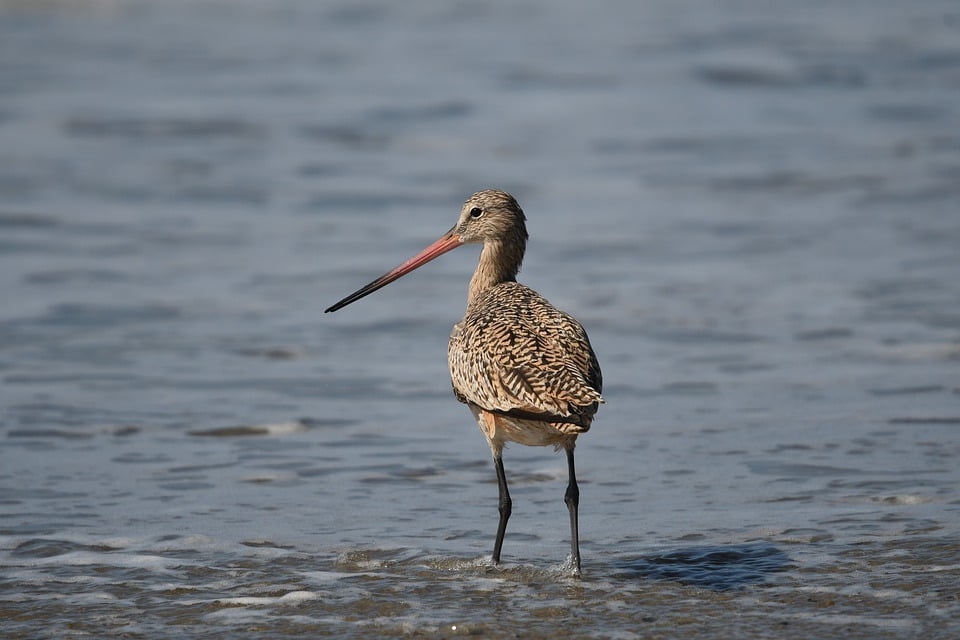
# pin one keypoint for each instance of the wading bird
(526, 370)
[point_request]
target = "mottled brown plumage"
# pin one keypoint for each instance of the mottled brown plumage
(525, 369)
(515, 354)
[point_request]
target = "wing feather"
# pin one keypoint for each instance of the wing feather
(513, 351)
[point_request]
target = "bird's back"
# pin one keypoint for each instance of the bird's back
(514, 353)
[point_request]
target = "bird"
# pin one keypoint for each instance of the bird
(526, 370)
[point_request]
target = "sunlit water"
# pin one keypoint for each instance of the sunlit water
(751, 206)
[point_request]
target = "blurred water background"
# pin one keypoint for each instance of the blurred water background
(753, 207)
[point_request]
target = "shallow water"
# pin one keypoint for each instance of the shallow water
(751, 207)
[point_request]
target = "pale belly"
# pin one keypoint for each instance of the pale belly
(501, 429)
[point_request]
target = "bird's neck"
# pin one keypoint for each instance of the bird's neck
(499, 263)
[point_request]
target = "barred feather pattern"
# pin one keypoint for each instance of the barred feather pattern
(516, 356)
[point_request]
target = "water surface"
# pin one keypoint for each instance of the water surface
(752, 208)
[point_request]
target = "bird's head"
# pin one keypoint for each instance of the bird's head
(491, 216)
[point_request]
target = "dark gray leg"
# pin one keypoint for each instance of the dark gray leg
(506, 504)
(572, 498)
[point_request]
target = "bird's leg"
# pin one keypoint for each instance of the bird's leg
(506, 504)
(572, 498)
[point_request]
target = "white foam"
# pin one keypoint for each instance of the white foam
(291, 598)
(906, 499)
(282, 428)
(942, 567)
(111, 559)
(295, 597)
(189, 543)
(333, 576)
(32, 577)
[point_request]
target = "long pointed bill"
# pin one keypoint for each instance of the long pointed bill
(449, 241)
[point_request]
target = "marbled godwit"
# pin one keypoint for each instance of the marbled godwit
(525, 369)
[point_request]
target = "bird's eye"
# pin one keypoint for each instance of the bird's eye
(476, 212)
